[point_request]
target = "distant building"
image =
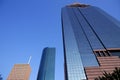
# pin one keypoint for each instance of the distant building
(1, 77)
(20, 72)
(91, 40)
(47, 65)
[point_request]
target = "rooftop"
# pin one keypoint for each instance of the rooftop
(78, 5)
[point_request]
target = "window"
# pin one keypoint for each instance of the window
(108, 52)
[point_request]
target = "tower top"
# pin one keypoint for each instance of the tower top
(29, 60)
(77, 4)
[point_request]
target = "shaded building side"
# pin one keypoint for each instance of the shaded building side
(47, 65)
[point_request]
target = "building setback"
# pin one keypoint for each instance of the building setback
(91, 42)
(47, 65)
(20, 72)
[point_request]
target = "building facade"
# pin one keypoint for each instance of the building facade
(20, 72)
(91, 42)
(47, 65)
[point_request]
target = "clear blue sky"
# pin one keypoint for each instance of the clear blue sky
(27, 26)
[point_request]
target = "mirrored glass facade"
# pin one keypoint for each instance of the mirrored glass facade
(86, 29)
(47, 65)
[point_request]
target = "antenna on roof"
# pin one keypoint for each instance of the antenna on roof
(29, 59)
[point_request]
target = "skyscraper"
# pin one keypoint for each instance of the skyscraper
(91, 42)
(20, 72)
(47, 65)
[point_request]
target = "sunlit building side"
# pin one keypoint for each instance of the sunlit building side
(20, 72)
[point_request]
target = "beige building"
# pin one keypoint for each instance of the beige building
(20, 72)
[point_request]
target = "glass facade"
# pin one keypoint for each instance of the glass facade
(86, 29)
(105, 28)
(74, 66)
(47, 65)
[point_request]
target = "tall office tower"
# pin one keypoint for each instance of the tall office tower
(47, 65)
(20, 72)
(91, 42)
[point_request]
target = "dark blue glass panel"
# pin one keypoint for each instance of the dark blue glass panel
(75, 69)
(83, 42)
(47, 65)
(106, 29)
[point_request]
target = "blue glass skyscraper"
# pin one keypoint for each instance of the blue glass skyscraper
(89, 36)
(47, 65)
